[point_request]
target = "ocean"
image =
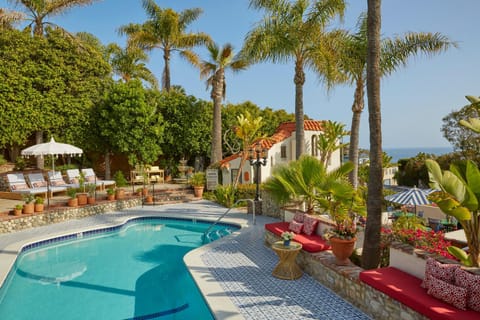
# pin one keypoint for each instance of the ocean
(405, 153)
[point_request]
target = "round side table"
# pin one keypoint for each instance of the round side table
(287, 267)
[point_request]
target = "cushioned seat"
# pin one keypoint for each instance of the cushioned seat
(406, 288)
(313, 243)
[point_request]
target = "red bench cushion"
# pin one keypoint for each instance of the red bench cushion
(313, 243)
(405, 288)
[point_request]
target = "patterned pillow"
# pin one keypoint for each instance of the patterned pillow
(58, 183)
(20, 186)
(74, 181)
(39, 184)
(471, 282)
(295, 226)
(442, 271)
(90, 179)
(309, 225)
(456, 296)
(299, 216)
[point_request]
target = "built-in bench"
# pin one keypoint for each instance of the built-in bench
(311, 243)
(407, 289)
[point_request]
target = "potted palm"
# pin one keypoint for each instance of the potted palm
(91, 188)
(197, 180)
(81, 194)
(73, 200)
(110, 194)
(39, 204)
(28, 207)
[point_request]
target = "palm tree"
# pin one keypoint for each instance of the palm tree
(129, 63)
(328, 142)
(394, 53)
(166, 29)
(39, 10)
(297, 31)
(214, 71)
(371, 244)
(9, 17)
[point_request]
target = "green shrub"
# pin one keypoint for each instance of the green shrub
(245, 191)
(225, 195)
(20, 164)
(2, 160)
(120, 180)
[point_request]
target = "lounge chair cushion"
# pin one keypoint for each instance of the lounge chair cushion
(312, 243)
(39, 184)
(19, 186)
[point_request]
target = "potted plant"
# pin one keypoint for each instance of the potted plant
(29, 206)
(73, 201)
(81, 194)
(287, 237)
(39, 206)
(91, 188)
(17, 210)
(111, 194)
(197, 180)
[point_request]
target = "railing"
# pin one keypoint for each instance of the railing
(204, 236)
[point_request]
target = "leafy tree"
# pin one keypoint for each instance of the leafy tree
(371, 244)
(297, 31)
(130, 63)
(328, 142)
(463, 139)
(394, 53)
(187, 125)
(214, 70)
(165, 29)
(131, 123)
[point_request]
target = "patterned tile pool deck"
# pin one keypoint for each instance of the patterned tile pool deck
(234, 273)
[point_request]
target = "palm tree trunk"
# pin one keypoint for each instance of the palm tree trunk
(217, 94)
(299, 80)
(357, 108)
(166, 71)
(371, 245)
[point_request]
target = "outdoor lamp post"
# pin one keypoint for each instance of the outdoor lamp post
(258, 158)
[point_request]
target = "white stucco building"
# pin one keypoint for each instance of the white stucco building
(280, 149)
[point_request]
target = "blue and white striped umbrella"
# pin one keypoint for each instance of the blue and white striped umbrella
(413, 196)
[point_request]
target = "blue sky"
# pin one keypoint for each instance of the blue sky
(414, 99)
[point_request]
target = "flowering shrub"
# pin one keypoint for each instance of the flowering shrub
(430, 241)
(345, 230)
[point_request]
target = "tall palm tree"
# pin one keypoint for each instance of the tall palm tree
(39, 10)
(129, 63)
(371, 244)
(165, 29)
(214, 70)
(297, 31)
(394, 53)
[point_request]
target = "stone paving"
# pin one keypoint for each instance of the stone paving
(240, 265)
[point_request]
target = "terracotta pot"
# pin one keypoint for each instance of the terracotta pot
(82, 199)
(28, 208)
(119, 194)
(39, 207)
(149, 199)
(17, 212)
(198, 191)
(342, 250)
(73, 202)
(91, 200)
(145, 192)
(110, 197)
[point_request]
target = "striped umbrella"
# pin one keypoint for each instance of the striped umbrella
(413, 196)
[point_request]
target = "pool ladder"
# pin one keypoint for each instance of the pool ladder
(206, 237)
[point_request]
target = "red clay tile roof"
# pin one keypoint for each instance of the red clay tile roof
(283, 131)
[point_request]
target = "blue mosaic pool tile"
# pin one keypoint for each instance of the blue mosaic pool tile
(243, 267)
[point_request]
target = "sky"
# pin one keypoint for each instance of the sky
(413, 100)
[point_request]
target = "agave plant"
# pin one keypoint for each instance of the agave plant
(459, 197)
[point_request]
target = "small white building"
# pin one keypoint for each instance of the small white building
(280, 149)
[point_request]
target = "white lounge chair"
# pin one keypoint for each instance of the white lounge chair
(18, 184)
(37, 181)
(91, 177)
(55, 179)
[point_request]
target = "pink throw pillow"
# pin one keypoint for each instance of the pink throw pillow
(442, 271)
(58, 183)
(39, 184)
(470, 282)
(449, 293)
(299, 216)
(295, 226)
(20, 186)
(309, 225)
(90, 179)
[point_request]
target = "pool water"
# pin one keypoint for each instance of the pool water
(134, 272)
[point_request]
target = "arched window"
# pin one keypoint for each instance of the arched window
(314, 145)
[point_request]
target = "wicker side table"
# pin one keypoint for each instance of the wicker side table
(287, 267)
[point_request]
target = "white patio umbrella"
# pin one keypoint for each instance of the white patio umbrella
(51, 148)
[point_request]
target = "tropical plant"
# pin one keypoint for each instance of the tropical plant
(297, 30)
(110, 191)
(8, 18)
(166, 29)
(214, 70)
(91, 187)
(394, 53)
(329, 141)
(28, 198)
(120, 180)
(371, 243)
(72, 193)
(198, 179)
(225, 195)
(39, 200)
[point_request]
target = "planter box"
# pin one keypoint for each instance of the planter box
(409, 263)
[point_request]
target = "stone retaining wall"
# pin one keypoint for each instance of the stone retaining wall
(344, 280)
(59, 215)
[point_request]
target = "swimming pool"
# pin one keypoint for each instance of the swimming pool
(135, 271)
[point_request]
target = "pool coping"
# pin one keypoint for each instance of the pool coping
(221, 306)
